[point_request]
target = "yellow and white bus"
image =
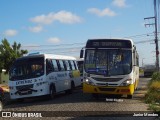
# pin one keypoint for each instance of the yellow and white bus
(43, 74)
(111, 66)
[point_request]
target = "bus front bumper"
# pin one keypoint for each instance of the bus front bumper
(119, 90)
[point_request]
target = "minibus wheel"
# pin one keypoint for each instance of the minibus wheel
(70, 91)
(52, 92)
(72, 86)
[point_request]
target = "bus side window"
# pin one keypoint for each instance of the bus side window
(137, 60)
(55, 66)
(72, 65)
(61, 65)
(67, 65)
(49, 66)
(75, 65)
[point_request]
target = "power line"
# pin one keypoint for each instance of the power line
(80, 44)
(144, 41)
(52, 45)
(71, 48)
(140, 35)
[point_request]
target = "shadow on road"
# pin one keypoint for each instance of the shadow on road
(76, 97)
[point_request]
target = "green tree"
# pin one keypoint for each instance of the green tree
(8, 54)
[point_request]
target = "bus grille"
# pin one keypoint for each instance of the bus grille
(106, 84)
(24, 87)
(107, 79)
(107, 89)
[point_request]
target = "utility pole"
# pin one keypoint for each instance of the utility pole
(156, 36)
(156, 33)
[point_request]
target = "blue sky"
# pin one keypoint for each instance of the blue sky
(57, 22)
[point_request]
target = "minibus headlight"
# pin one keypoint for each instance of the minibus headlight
(88, 81)
(126, 82)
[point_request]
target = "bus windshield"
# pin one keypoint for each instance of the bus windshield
(108, 62)
(27, 68)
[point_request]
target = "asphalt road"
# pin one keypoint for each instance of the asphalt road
(83, 106)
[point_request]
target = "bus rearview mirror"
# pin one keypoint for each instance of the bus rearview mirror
(81, 53)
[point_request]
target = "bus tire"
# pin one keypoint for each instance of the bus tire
(52, 92)
(72, 88)
(129, 96)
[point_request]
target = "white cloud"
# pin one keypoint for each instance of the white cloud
(44, 19)
(54, 40)
(101, 13)
(119, 3)
(10, 32)
(67, 17)
(61, 16)
(36, 29)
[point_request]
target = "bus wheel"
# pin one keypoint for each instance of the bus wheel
(1, 105)
(72, 88)
(52, 92)
(129, 96)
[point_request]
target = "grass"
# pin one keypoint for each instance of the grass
(155, 85)
(155, 107)
(152, 96)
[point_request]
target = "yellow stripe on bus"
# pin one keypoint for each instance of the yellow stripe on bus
(128, 90)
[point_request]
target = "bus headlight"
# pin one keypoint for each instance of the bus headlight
(126, 82)
(88, 81)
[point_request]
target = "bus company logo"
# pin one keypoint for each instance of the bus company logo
(23, 82)
(6, 114)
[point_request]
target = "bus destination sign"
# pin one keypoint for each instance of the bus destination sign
(108, 44)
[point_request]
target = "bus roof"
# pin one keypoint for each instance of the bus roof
(110, 39)
(49, 56)
(80, 59)
(63, 57)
